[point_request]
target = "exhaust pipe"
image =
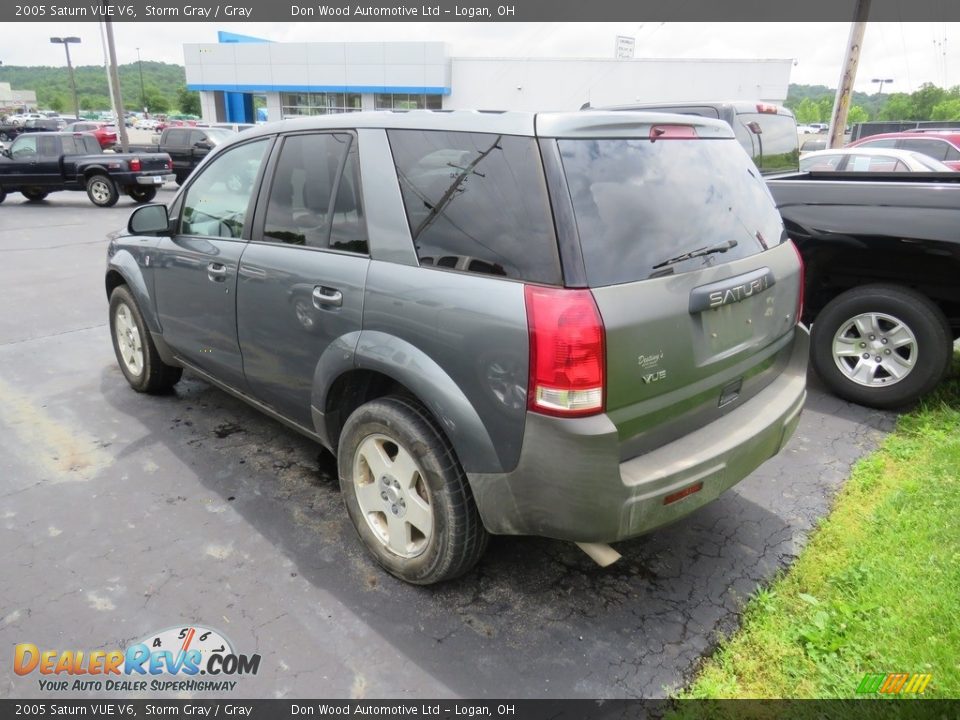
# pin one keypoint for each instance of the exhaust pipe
(601, 553)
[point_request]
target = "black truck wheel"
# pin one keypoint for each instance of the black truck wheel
(3, 195)
(406, 493)
(142, 193)
(882, 346)
(102, 191)
(34, 195)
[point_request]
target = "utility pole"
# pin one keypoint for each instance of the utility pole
(143, 102)
(66, 41)
(841, 104)
(117, 96)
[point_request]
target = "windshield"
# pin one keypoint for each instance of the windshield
(639, 204)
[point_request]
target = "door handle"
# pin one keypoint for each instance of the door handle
(216, 272)
(327, 297)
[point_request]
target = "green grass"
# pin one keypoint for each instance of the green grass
(876, 590)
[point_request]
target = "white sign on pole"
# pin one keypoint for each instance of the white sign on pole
(625, 47)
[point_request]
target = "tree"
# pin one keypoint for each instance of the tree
(925, 99)
(156, 103)
(58, 103)
(946, 110)
(807, 112)
(857, 114)
(899, 106)
(189, 101)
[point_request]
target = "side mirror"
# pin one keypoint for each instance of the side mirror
(149, 220)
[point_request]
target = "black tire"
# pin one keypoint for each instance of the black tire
(3, 195)
(457, 538)
(34, 195)
(154, 375)
(929, 356)
(142, 193)
(102, 191)
(181, 178)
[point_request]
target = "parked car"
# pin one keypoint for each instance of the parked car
(942, 145)
(23, 117)
(808, 146)
(870, 160)
(146, 124)
(105, 133)
(186, 146)
(37, 164)
(626, 349)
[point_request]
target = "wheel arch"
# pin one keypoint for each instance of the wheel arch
(124, 270)
(382, 364)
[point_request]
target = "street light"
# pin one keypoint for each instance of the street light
(143, 102)
(73, 85)
(882, 81)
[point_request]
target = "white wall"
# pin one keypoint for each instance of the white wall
(566, 84)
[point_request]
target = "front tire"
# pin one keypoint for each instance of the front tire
(882, 346)
(136, 353)
(406, 493)
(143, 194)
(34, 195)
(102, 191)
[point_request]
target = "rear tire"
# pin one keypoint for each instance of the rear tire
(406, 493)
(102, 191)
(3, 195)
(136, 353)
(181, 178)
(34, 195)
(143, 194)
(901, 327)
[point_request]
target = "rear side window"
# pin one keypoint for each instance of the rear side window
(477, 203)
(315, 195)
(937, 149)
(771, 140)
(883, 143)
(91, 145)
(177, 137)
(640, 205)
(48, 146)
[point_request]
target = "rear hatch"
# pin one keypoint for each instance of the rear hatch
(153, 162)
(687, 260)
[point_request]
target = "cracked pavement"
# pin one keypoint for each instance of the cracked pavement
(124, 514)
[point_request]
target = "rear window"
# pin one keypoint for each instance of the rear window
(477, 203)
(641, 204)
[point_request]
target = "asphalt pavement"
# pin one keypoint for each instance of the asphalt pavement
(122, 515)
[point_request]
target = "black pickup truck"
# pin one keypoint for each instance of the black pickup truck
(186, 146)
(38, 164)
(882, 257)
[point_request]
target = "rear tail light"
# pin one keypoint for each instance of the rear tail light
(567, 356)
(803, 281)
(135, 165)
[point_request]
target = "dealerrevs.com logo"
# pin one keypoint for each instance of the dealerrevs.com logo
(171, 660)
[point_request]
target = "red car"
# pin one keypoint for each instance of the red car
(942, 145)
(105, 133)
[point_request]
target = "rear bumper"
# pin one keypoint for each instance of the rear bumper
(155, 179)
(569, 484)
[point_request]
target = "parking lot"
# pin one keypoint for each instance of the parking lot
(125, 514)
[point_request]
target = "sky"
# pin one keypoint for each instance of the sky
(908, 53)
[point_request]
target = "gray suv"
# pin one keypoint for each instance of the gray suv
(575, 325)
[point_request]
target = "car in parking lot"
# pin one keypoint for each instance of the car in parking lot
(942, 145)
(105, 133)
(870, 160)
(622, 347)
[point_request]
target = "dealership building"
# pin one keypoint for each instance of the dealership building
(315, 78)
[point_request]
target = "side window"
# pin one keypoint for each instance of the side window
(216, 203)
(822, 163)
(304, 208)
(198, 136)
(23, 147)
(953, 154)
(91, 146)
(937, 149)
(885, 143)
(477, 203)
(177, 137)
(70, 146)
(47, 146)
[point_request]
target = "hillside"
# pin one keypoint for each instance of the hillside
(162, 83)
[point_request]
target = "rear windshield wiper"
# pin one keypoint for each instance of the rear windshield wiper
(699, 252)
